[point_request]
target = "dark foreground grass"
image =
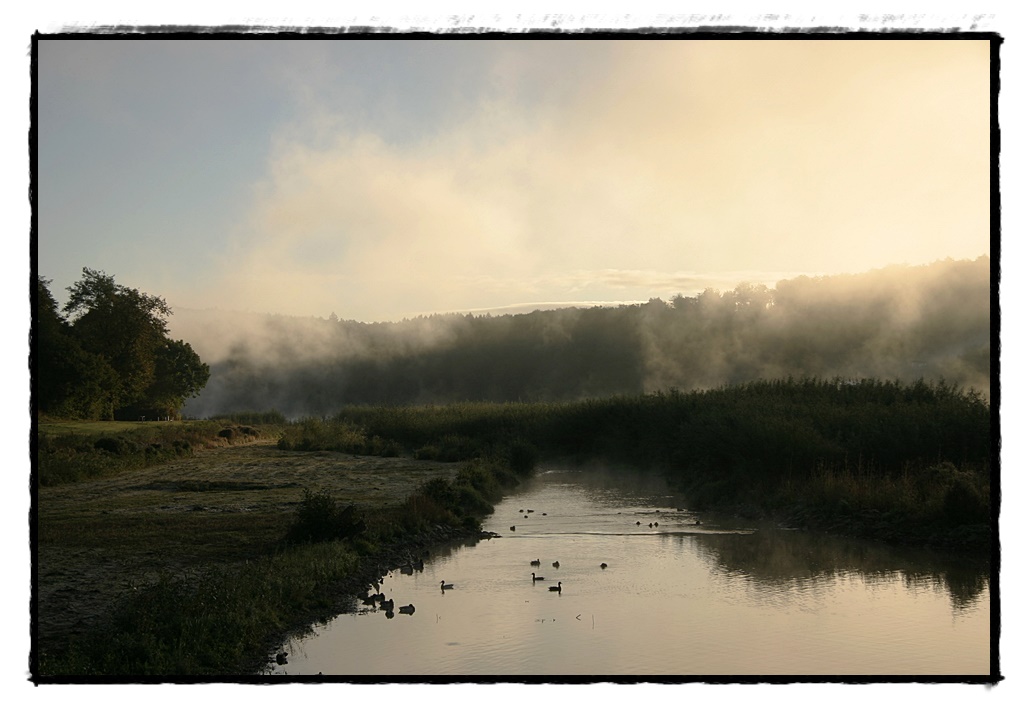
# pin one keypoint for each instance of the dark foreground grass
(78, 451)
(223, 616)
(217, 623)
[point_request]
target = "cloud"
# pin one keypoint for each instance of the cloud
(671, 159)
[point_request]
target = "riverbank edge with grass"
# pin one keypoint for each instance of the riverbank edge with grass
(894, 446)
(225, 620)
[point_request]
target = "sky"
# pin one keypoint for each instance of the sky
(380, 179)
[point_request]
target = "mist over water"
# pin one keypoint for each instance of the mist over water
(900, 322)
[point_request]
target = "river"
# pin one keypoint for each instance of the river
(681, 594)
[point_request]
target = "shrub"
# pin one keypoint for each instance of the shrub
(115, 446)
(320, 518)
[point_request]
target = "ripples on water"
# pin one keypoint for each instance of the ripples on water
(717, 598)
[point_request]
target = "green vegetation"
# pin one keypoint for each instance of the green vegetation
(320, 518)
(321, 434)
(76, 451)
(217, 622)
(931, 321)
(212, 564)
(902, 462)
(113, 359)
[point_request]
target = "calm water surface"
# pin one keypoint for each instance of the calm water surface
(722, 597)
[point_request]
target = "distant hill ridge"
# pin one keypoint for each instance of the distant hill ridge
(900, 322)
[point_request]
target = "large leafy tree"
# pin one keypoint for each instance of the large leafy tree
(125, 325)
(110, 354)
(69, 381)
(178, 374)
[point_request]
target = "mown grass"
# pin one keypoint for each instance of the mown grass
(77, 451)
(243, 579)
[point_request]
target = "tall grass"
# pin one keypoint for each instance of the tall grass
(322, 434)
(76, 455)
(215, 623)
(918, 453)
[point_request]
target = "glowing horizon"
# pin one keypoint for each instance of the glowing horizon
(378, 180)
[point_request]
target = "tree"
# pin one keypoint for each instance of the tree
(113, 357)
(179, 374)
(127, 327)
(67, 380)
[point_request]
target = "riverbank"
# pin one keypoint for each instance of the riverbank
(220, 513)
(193, 562)
(198, 567)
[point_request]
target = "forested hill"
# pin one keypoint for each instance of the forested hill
(901, 322)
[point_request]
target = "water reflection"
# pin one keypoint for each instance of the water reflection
(771, 558)
(689, 595)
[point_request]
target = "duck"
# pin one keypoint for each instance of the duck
(530, 510)
(512, 527)
(650, 525)
(555, 588)
(697, 522)
(408, 609)
(555, 564)
(446, 586)
(638, 524)
(387, 605)
(537, 578)
(280, 658)
(604, 565)
(534, 562)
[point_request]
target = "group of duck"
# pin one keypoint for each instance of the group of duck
(525, 515)
(556, 564)
(650, 525)
(387, 605)
(654, 525)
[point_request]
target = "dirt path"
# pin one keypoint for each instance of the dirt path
(99, 540)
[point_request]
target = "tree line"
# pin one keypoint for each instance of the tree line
(107, 354)
(930, 321)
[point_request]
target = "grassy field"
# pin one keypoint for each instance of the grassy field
(102, 542)
(99, 428)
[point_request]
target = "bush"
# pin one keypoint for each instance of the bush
(320, 518)
(115, 446)
(963, 505)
